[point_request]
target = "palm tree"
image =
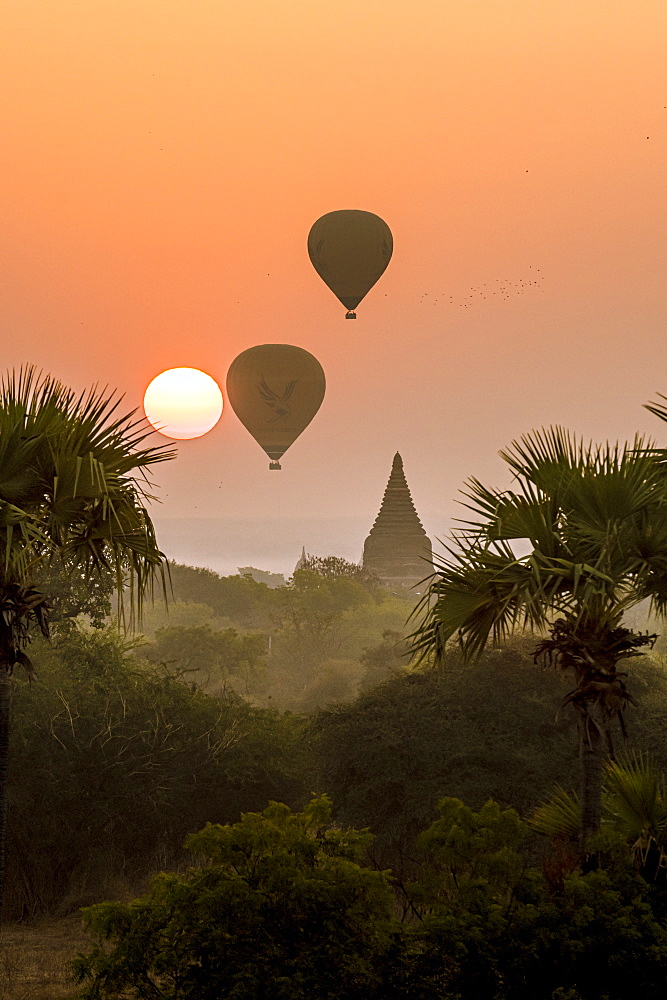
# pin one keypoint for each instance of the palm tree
(73, 489)
(594, 522)
(634, 803)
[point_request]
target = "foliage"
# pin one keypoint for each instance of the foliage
(559, 816)
(283, 908)
(311, 601)
(471, 854)
(263, 576)
(594, 517)
(72, 490)
(73, 501)
(333, 567)
(384, 660)
(365, 625)
(491, 929)
(315, 629)
(239, 600)
(487, 730)
(591, 649)
(70, 592)
(308, 629)
(95, 805)
(318, 648)
(113, 764)
(216, 660)
(634, 804)
(333, 682)
(184, 614)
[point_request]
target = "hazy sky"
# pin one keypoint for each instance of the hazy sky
(162, 161)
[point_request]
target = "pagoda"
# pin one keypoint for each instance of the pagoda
(398, 550)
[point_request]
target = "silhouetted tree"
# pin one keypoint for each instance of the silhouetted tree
(71, 492)
(595, 521)
(336, 566)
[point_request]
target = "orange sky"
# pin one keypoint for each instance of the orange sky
(162, 162)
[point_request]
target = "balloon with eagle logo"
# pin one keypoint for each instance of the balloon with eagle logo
(275, 390)
(350, 250)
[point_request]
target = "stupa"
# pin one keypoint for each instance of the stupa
(398, 549)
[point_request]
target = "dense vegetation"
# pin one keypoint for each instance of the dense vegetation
(593, 520)
(299, 646)
(240, 694)
(113, 764)
(284, 905)
(121, 748)
(73, 505)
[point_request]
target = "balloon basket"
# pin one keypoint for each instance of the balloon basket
(350, 315)
(275, 465)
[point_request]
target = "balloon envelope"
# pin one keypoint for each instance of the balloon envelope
(275, 391)
(350, 250)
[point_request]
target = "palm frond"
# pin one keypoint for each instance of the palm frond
(73, 480)
(595, 517)
(635, 800)
(657, 409)
(559, 816)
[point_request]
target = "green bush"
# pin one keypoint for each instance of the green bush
(283, 908)
(492, 929)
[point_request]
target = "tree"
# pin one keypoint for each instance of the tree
(239, 600)
(385, 660)
(335, 566)
(271, 580)
(72, 491)
(283, 908)
(70, 592)
(634, 804)
(212, 658)
(308, 612)
(115, 762)
(594, 519)
(493, 928)
(487, 730)
(281, 905)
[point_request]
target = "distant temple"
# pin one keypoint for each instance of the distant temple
(398, 549)
(302, 559)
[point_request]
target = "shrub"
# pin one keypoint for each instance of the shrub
(282, 908)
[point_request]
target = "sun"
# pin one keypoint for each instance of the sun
(183, 403)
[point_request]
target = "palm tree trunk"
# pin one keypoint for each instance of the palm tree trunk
(592, 756)
(5, 718)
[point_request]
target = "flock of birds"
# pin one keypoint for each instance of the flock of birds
(501, 288)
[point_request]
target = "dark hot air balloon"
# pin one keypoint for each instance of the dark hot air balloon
(350, 250)
(275, 390)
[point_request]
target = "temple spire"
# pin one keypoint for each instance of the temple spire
(303, 558)
(398, 549)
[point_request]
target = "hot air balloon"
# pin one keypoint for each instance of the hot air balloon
(275, 390)
(350, 250)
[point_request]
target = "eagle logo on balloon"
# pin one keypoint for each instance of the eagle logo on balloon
(276, 402)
